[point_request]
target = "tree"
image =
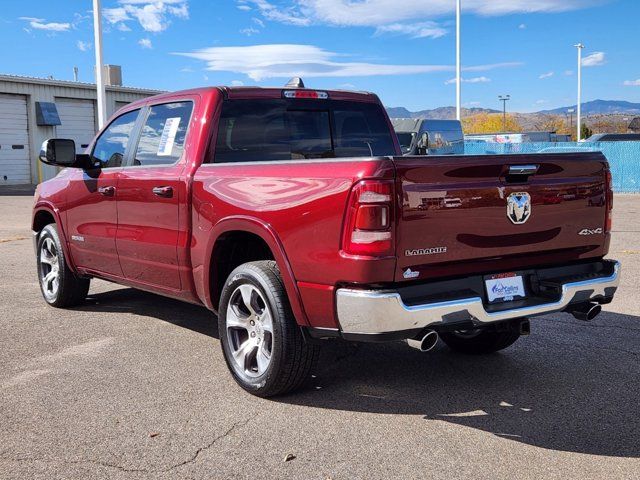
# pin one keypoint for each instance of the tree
(490, 123)
(585, 132)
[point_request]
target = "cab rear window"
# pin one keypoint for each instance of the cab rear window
(287, 129)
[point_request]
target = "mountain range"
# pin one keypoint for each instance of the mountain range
(595, 107)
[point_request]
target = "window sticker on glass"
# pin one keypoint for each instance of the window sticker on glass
(165, 147)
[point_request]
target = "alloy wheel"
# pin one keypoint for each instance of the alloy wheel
(249, 330)
(49, 268)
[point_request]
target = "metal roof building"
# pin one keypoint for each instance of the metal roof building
(34, 109)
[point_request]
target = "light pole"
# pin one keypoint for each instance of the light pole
(97, 32)
(458, 63)
(579, 46)
(504, 99)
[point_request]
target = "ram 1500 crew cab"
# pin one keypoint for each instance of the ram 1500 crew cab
(292, 214)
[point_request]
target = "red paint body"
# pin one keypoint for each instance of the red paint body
(165, 245)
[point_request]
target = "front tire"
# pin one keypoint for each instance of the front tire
(60, 287)
(261, 341)
(482, 341)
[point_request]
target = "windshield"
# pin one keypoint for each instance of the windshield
(293, 129)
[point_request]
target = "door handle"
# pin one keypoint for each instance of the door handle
(166, 192)
(107, 191)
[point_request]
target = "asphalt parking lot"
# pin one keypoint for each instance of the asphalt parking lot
(132, 385)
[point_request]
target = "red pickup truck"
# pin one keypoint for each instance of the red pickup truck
(293, 215)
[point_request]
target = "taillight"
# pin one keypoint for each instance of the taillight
(369, 220)
(608, 222)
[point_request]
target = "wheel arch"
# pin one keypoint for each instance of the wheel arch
(43, 215)
(249, 229)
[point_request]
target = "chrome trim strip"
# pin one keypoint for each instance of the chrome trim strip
(383, 311)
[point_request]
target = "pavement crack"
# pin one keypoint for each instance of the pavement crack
(206, 447)
(74, 462)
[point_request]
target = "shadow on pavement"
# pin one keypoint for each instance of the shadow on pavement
(137, 302)
(570, 386)
(577, 393)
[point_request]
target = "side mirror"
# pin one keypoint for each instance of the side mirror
(62, 152)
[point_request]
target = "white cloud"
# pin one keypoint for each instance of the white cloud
(568, 73)
(291, 15)
(594, 60)
(152, 15)
(258, 22)
(468, 80)
(540, 102)
(632, 83)
(42, 24)
(415, 30)
(384, 12)
(249, 31)
(522, 26)
(260, 62)
(145, 43)
(546, 75)
(237, 83)
(472, 104)
(83, 46)
(123, 27)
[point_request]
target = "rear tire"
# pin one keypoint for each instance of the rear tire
(482, 341)
(60, 287)
(262, 344)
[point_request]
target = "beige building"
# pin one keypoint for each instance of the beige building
(34, 109)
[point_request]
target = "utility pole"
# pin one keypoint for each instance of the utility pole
(579, 46)
(504, 99)
(458, 63)
(97, 31)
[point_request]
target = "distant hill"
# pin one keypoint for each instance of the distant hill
(442, 113)
(601, 107)
(595, 107)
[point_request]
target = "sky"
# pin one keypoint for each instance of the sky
(403, 50)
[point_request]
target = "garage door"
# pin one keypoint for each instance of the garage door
(15, 167)
(78, 121)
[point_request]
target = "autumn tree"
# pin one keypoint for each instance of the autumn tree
(490, 123)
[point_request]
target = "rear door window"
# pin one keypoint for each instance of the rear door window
(283, 129)
(163, 134)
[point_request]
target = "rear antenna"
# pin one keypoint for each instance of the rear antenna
(295, 82)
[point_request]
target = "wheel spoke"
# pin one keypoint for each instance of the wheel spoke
(263, 358)
(244, 354)
(235, 319)
(248, 292)
(48, 280)
(46, 257)
(267, 323)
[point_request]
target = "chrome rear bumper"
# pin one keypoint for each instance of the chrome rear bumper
(373, 312)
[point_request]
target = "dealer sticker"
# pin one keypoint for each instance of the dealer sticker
(505, 288)
(165, 146)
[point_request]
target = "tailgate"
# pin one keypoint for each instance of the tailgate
(477, 214)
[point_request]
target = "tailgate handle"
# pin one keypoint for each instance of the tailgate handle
(523, 169)
(520, 173)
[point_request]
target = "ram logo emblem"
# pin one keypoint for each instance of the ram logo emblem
(519, 207)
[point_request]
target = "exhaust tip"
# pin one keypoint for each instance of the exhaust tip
(587, 312)
(426, 343)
